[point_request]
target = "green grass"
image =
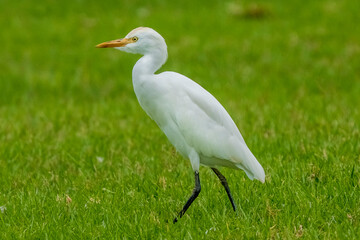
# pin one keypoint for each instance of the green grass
(289, 78)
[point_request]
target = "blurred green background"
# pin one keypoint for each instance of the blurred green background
(80, 159)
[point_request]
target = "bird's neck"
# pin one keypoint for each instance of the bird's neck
(149, 63)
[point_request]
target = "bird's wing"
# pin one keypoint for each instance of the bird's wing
(192, 116)
(194, 97)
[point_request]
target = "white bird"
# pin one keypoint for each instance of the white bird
(192, 119)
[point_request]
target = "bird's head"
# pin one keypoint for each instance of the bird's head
(141, 40)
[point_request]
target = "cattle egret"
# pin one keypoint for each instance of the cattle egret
(192, 119)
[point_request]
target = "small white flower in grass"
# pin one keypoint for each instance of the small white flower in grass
(211, 229)
(95, 200)
(99, 159)
(2, 209)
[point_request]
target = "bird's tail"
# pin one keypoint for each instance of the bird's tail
(252, 167)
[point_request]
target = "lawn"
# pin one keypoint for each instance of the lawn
(79, 159)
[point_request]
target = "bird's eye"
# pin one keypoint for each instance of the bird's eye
(135, 39)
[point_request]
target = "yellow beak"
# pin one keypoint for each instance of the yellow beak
(114, 43)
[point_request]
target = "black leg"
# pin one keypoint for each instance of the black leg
(194, 195)
(226, 186)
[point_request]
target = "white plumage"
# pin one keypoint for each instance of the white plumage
(193, 120)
